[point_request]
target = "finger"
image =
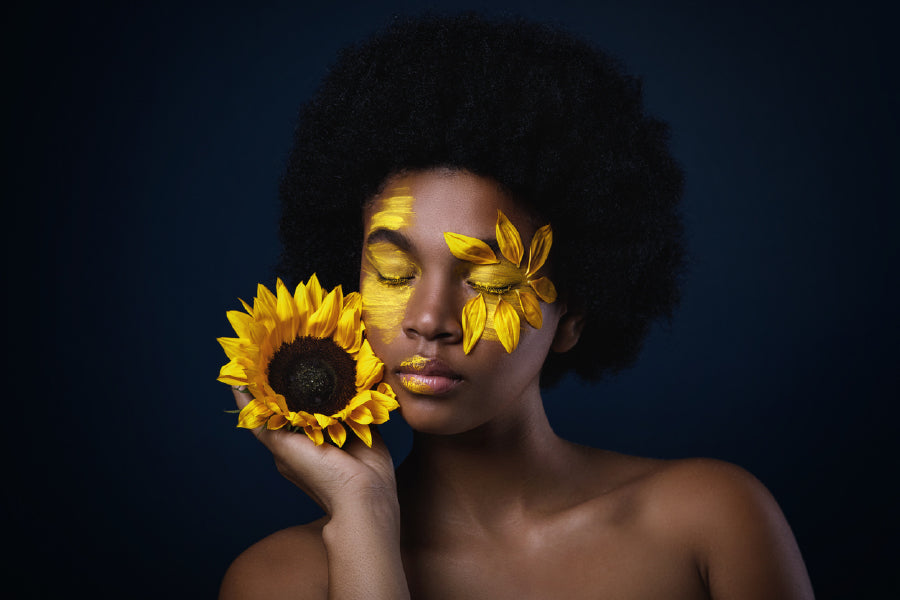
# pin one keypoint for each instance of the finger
(242, 395)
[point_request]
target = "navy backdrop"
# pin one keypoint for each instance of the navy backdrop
(144, 149)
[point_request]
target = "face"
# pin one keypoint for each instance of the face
(415, 292)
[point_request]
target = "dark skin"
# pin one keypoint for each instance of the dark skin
(490, 502)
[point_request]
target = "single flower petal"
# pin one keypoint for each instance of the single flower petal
(314, 292)
(506, 322)
(240, 321)
(544, 288)
(470, 249)
(531, 308)
(233, 373)
(362, 431)
(253, 415)
(540, 249)
(337, 433)
(315, 434)
(509, 239)
(474, 316)
(362, 415)
(369, 367)
(287, 312)
(276, 422)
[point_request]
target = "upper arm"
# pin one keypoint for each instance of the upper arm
(745, 548)
(287, 564)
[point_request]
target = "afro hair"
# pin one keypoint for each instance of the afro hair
(553, 120)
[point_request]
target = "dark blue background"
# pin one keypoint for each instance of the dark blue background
(144, 147)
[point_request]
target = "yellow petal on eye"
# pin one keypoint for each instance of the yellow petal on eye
(544, 288)
(509, 239)
(470, 249)
(506, 322)
(531, 308)
(474, 316)
(540, 249)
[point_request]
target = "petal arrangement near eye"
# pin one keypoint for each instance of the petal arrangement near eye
(513, 302)
(306, 362)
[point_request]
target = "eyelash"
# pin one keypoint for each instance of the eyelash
(491, 290)
(394, 281)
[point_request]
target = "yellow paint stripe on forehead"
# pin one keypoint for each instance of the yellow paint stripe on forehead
(395, 211)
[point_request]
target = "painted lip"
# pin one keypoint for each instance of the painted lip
(427, 376)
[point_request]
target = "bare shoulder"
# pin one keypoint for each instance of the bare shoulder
(290, 563)
(744, 546)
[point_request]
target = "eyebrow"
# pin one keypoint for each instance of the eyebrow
(401, 241)
(388, 235)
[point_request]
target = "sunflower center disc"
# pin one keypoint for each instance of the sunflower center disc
(314, 375)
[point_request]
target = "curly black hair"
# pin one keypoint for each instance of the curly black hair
(555, 121)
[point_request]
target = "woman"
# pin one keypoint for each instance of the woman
(447, 135)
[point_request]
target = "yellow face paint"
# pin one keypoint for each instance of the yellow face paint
(386, 267)
(394, 211)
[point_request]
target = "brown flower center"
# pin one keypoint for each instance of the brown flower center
(314, 375)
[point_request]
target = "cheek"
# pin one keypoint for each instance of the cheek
(383, 307)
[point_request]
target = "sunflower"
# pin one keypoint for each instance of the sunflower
(515, 286)
(306, 363)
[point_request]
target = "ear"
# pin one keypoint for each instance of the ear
(568, 331)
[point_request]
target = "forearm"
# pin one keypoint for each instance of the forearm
(363, 546)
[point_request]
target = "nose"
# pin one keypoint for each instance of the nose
(434, 313)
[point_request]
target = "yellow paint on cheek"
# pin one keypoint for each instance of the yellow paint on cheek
(394, 211)
(384, 306)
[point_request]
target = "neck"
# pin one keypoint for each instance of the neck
(484, 477)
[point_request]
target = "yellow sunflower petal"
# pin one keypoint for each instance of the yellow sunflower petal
(385, 396)
(506, 322)
(380, 413)
(235, 347)
(287, 311)
(470, 249)
(240, 321)
(233, 373)
(247, 307)
(323, 322)
(362, 431)
(362, 415)
(348, 334)
(253, 415)
(509, 239)
(540, 249)
(369, 367)
(315, 434)
(304, 307)
(531, 308)
(474, 316)
(544, 288)
(314, 292)
(265, 300)
(276, 422)
(337, 433)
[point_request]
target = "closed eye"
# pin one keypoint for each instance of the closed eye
(491, 289)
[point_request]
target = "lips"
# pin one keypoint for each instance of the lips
(427, 376)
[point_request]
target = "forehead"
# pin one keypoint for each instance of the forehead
(432, 202)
